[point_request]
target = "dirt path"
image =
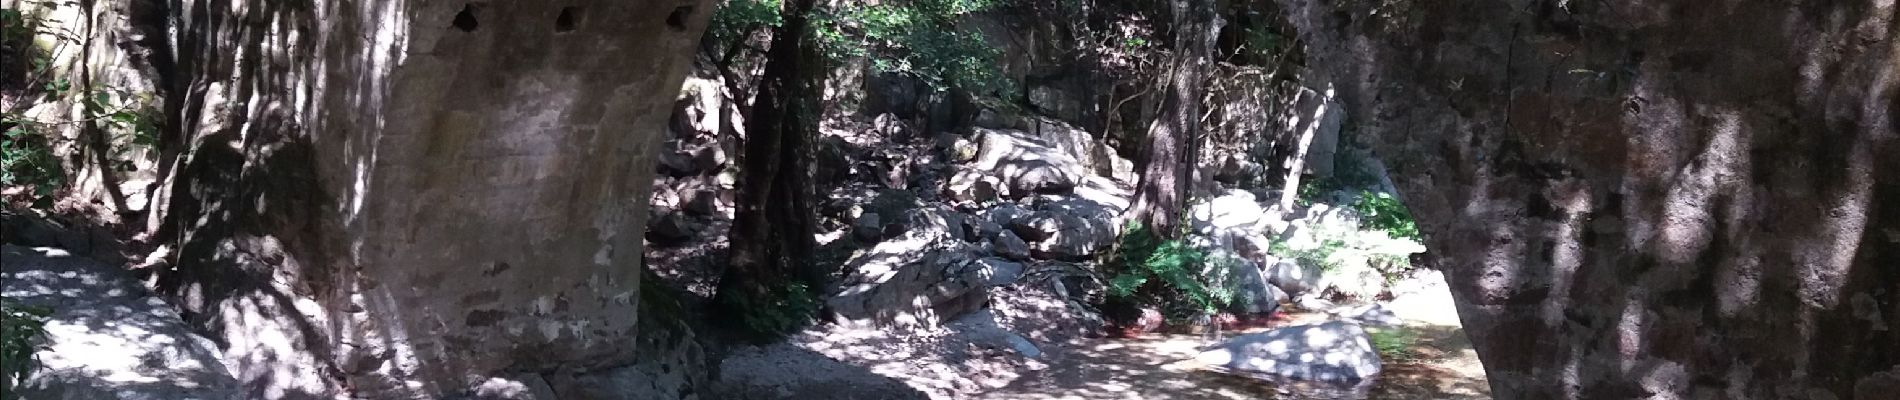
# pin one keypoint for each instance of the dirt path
(108, 338)
(1441, 366)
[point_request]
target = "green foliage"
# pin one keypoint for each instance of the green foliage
(917, 38)
(735, 20)
(26, 157)
(1150, 270)
(1394, 344)
(20, 326)
(1321, 255)
(1381, 211)
(782, 308)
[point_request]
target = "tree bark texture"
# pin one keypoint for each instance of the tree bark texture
(405, 198)
(1645, 199)
(1168, 160)
(771, 238)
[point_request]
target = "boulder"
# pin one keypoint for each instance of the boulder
(1293, 277)
(910, 283)
(709, 158)
(1037, 227)
(1374, 315)
(1026, 165)
(868, 227)
(1008, 245)
(1006, 213)
(701, 202)
(1064, 236)
(980, 228)
(673, 228)
(519, 387)
(1333, 352)
(1093, 151)
(889, 127)
(1253, 295)
(999, 272)
(831, 161)
(107, 338)
(962, 149)
(1234, 209)
(915, 278)
(993, 119)
(973, 186)
(676, 160)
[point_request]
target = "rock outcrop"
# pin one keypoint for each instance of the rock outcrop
(1643, 198)
(408, 198)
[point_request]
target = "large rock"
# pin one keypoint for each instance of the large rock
(415, 196)
(1253, 294)
(1292, 276)
(1090, 149)
(1233, 210)
(1650, 208)
(920, 278)
(1064, 236)
(1027, 165)
(972, 185)
(1008, 245)
(1335, 352)
(868, 227)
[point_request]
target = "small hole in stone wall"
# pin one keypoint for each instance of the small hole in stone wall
(465, 20)
(677, 19)
(570, 16)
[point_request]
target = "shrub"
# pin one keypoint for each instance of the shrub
(20, 327)
(918, 38)
(1150, 270)
(1381, 211)
(784, 308)
(26, 158)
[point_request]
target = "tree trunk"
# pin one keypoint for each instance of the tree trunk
(406, 198)
(1630, 200)
(1168, 160)
(771, 238)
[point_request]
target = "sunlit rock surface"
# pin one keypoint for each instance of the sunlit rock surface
(1336, 353)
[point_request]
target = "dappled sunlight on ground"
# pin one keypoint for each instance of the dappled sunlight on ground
(107, 337)
(1442, 366)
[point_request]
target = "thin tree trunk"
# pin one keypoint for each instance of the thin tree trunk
(771, 237)
(1168, 159)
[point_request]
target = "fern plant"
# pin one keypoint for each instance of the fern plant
(1169, 273)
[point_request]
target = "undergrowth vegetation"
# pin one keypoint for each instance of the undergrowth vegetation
(786, 308)
(20, 328)
(1394, 344)
(1166, 273)
(31, 146)
(1381, 211)
(917, 38)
